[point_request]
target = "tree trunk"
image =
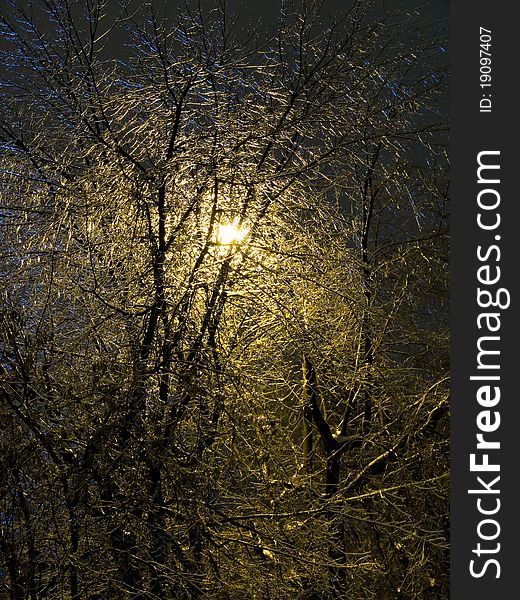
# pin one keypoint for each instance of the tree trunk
(337, 551)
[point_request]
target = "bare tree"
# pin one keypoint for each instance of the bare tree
(223, 339)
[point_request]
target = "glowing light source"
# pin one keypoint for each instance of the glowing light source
(231, 233)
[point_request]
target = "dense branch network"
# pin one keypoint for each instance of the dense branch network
(190, 413)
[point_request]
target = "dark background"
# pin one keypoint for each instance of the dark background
(472, 132)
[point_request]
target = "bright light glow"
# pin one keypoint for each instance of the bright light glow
(231, 233)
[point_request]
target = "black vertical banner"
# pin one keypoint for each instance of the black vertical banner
(484, 317)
